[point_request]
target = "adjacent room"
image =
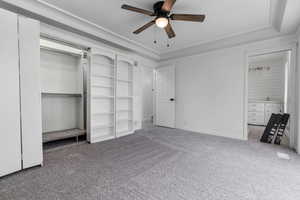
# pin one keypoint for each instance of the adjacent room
(150, 100)
(268, 79)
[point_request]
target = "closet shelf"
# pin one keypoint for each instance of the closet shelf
(102, 97)
(102, 76)
(124, 120)
(102, 86)
(124, 110)
(62, 94)
(125, 97)
(103, 113)
(63, 134)
(126, 81)
(102, 126)
(103, 64)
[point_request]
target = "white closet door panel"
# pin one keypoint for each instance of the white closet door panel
(30, 92)
(10, 144)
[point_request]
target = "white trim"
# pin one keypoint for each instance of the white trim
(65, 36)
(245, 109)
(218, 39)
(298, 91)
(284, 39)
(255, 36)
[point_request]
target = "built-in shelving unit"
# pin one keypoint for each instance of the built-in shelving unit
(124, 95)
(62, 94)
(110, 96)
(101, 97)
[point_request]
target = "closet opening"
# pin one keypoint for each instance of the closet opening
(269, 108)
(63, 93)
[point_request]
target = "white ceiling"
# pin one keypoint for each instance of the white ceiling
(225, 18)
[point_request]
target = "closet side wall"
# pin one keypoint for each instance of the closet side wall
(10, 143)
(29, 48)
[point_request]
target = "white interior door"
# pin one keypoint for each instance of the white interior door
(10, 142)
(165, 96)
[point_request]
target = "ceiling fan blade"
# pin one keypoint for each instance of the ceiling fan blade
(144, 27)
(187, 17)
(138, 10)
(169, 30)
(168, 5)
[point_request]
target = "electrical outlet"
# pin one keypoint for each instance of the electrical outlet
(185, 123)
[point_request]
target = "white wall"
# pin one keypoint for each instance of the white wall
(211, 88)
(267, 82)
(60, 73)
(147, 84)
(209, 93)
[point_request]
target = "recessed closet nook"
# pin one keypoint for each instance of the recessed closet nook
(59, 93)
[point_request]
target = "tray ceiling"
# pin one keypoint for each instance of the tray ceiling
(225, 18)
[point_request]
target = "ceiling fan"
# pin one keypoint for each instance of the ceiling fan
(161, 12)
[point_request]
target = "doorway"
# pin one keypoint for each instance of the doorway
(270, 80)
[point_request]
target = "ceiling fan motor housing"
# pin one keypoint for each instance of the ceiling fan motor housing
(158, 11)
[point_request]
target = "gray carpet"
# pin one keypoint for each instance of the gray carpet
(160, 164)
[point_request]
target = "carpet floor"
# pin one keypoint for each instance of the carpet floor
(160, 164)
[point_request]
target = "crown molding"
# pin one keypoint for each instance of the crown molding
(254, 36)
(54, 16)
(276, 10)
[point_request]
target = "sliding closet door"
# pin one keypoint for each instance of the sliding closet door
(29, 45)
(101, 95)
(10, 143)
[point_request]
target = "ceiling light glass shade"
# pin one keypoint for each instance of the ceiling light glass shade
(162, 22)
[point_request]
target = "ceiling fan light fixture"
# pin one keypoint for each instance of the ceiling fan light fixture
(162, 22)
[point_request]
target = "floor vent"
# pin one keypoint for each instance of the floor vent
(283, 156)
